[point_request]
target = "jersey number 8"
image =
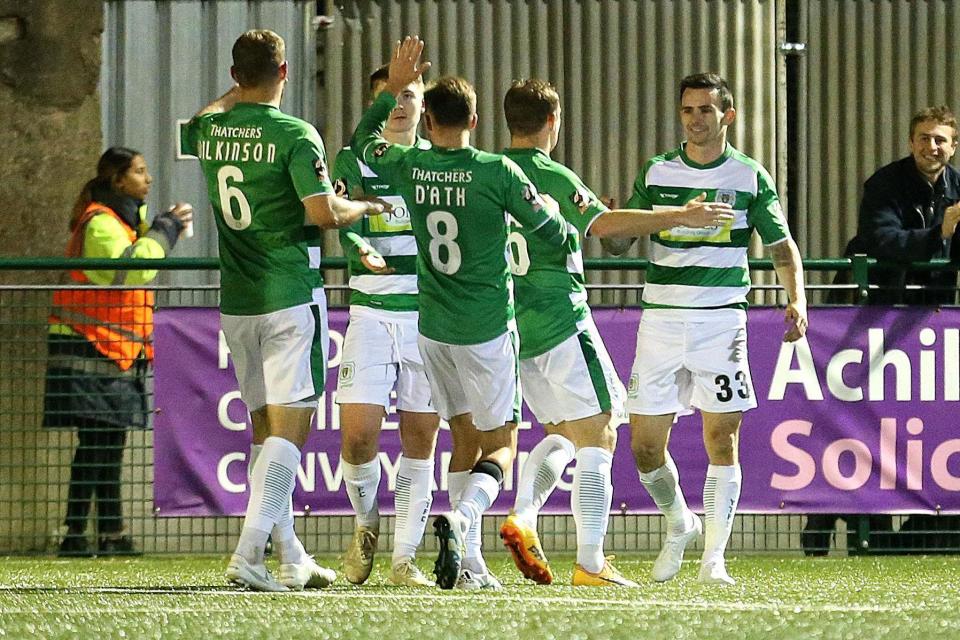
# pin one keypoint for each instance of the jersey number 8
(229, 193)
(444, 251)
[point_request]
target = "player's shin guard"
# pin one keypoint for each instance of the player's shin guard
(413, 498)
(663, 485)
(721, 493)
(591, 497)
(540, 475)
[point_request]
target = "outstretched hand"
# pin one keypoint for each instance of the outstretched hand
(405, 66)
(697, 213)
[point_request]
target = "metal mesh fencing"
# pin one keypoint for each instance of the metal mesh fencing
(35, 468)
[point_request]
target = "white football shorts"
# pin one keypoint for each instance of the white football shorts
(380, 352)
(574, 380)
(280, 357)
(481, 379)
(691, 358)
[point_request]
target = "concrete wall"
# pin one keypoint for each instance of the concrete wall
(50, 110)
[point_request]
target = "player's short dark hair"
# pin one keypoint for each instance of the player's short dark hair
(451, 101)
(257, 56)
(527, 105)
(381, 75)
(709, 81)
(940, 115)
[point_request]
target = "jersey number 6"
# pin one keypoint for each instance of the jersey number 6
(229, 193)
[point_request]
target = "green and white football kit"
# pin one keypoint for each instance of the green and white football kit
(691, 343)
(380, 350)
(260, 164)
(565, 369)
(459, 200)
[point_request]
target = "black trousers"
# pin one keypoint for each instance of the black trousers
(95, 472)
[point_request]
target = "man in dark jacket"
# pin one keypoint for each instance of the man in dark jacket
(909, 213)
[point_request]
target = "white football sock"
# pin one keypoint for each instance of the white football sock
(663, 485)
(289, 548)
(481, 492)
(590, 501)
(456, 483)
(362, 482)
(412, 501)
(541, 473)
(721, 493)
(271, 486)
(255, 450)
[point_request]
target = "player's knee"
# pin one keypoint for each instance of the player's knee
(648, 455)
(357, 447)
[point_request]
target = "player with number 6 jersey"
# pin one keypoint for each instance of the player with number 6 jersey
(459, 199)
(267, 178)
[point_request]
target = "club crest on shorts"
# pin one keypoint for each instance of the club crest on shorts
(320, 168)
(726, 196)
(530, 195)
(346, 372)
(381, 150)
(633, 385)
(582, 200)
(340, 187)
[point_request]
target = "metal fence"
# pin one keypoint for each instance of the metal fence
(35, 461)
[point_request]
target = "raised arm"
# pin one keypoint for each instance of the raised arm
(789, 268)
(223, 103)
(367, 141)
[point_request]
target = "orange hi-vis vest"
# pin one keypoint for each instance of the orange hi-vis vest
(119, 323)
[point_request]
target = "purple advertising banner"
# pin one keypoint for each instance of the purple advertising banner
(857, 418)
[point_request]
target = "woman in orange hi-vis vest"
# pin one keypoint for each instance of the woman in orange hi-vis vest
(100, 342)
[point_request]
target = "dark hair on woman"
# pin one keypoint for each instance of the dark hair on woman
(114, 162)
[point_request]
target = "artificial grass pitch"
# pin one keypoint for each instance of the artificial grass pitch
(908, 598)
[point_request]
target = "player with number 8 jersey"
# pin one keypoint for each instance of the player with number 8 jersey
(460, 199)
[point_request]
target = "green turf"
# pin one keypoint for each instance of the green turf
(909, 598)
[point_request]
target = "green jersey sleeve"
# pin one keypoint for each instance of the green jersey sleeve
(765, 212)
(189, 133)
(384, 158)
(526, 205)
(579, 205)
(347, 183)
(640, 198)
(308, 166)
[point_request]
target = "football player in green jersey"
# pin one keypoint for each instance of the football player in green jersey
(380, 354)
(459, 198)
(691, 343)
(568, 378)
(267, 177)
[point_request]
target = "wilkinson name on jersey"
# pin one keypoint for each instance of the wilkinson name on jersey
(225, 151)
